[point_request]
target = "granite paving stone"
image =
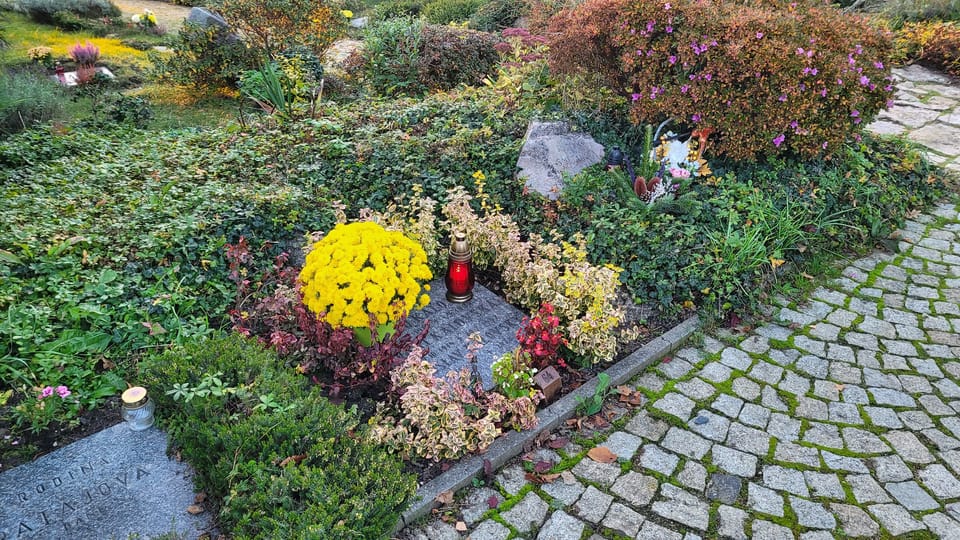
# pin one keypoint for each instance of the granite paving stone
(789, 480)
(682, 507)
(836, 462)
(734, 461)
(865, 489)
(635, 488)
(622, 520)
(814, 366)
(653, 531)
(942, 526)
(696, 389)
(693, 475)
(731, 522)
(854, 394)
(824, 485)
(709, 425)
(826, 390)
(676, 404)
(476, 504)
(854, 521)
(491, 530)
(825, 435)
(812, 514)
(512, 479)
(675, 369)
(735, 358)
(716, 372)
(889, 468)
(908, 447)
(686, 443)
(622, 444)
(764, 500)
(788, 452)
(746, 389)
(728, 405)
(568, 493)
(766, 530)
(593, 505)
(560, 526)
(844, 413)
(754, 415)
(771, 400)
(863, 442)
(916, 420)
(528, 514)
(911, 496)
(604, 474)
(748, 439)
(783, 427)
(939, 481)
(646, 426)
(656, 459)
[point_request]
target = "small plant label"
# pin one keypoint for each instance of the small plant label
(548, 381)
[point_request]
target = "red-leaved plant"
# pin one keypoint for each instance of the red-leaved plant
(272, 311)
(541, 339)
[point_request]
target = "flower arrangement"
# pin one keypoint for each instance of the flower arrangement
(41, 55)
(361, 271)
(50, 404)
(144, 20)
(84, 55)
(540, 337)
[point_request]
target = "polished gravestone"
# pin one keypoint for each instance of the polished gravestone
(492, 317)
(113, 484)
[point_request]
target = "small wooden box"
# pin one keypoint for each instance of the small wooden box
(548, 381)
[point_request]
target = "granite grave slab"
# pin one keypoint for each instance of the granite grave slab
(113, 484)
(492, 317)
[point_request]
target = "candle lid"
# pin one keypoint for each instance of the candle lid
(134, 395)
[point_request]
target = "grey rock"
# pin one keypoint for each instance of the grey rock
(675, 368)
(812, 346)
(755, 344)
(926, 367)
(855, 394)
(766, 372)
(915, 384)
(840, 353)
(528, 514)
(716, 372)
(205, 18)
(436, 530)
(826, 390)
(864, 341)
(825, 331)
(935, 405)
(551, 150)
(724, 488)
(635, 488)
(845, 373)
(650, 381)
(911, 496)
(842, 318)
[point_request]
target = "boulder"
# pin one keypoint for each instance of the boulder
(206, 18)
(552, 150)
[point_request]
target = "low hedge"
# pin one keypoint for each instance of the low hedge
(279, 459)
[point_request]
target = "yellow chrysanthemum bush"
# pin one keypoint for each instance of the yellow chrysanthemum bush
(362, 270)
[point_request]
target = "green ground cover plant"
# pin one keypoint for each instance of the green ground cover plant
(268, 426)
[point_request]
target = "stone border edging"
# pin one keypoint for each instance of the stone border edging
(512, 443)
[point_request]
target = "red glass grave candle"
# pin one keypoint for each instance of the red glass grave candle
(459, 278)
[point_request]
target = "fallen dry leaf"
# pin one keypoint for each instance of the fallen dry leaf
(493, 502)
(195, 509)
(559, 442)
(602, 454)
(445, 497)
(542, 466)
(295, 459)
(199, 497)
(840, 387)
(460, 526)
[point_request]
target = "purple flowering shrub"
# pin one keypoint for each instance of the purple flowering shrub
(770, 78)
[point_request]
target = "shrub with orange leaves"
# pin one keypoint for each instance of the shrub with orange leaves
(770, 77)
(274, 25)
(931, 42)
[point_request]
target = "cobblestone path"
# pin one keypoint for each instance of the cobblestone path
(837, 419)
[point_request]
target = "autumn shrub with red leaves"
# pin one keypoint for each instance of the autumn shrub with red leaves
(540, 338)
(771, 77)
(270, 308)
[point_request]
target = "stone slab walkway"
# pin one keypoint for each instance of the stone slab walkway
(839, 419)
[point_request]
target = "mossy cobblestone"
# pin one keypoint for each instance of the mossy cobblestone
(839, 415)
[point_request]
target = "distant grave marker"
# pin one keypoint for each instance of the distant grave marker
(110, 485)
(451, 324)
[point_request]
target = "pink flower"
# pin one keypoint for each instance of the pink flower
(669, 29)
(759, 35)
(778, 140)
(635, 97)
(864, 80)
(672, 59)
(878, 65)
(684, 89)
(782, 98)
(62, 391)
(46, 392)
(667, 6)
(695, 118)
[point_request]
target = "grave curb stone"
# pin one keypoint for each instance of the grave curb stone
(511, 444)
